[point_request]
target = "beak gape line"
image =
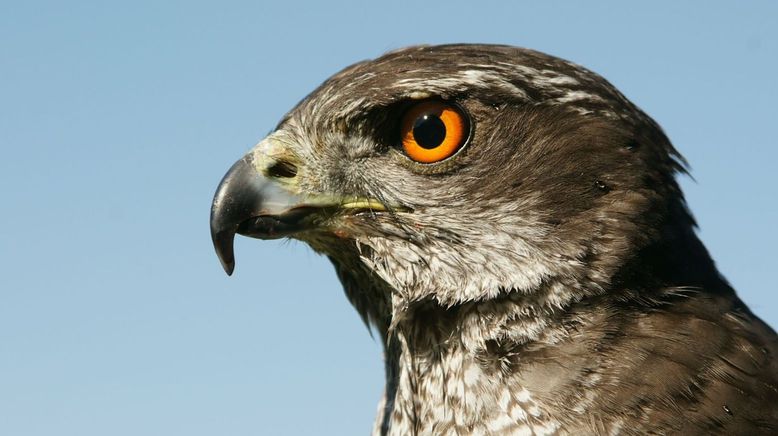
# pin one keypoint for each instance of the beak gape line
(257, 206)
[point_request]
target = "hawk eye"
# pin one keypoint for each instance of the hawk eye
(432, 131)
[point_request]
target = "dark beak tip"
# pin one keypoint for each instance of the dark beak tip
(228, 267)
(228, 263)
(223, 244)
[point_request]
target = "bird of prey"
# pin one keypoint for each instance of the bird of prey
(512, 227)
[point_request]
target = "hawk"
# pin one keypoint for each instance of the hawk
(512, 227)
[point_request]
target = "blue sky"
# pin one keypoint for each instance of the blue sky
(117, 122)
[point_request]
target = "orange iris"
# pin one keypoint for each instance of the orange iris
(432, 131)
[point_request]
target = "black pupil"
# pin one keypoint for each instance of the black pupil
(429, 131)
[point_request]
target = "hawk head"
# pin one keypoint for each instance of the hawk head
(463, 173)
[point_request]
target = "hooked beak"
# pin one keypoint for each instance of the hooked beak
(247, 202)
(258, 206)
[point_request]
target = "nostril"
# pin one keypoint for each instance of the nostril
(282, 168)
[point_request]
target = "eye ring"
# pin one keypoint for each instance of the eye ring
(433, 130)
